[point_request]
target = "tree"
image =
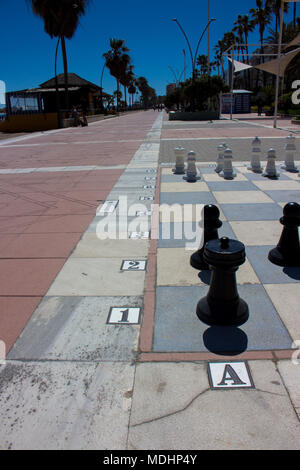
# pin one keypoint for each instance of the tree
(275, 7)
(61, 18)
(116, 60)
(261, 16)
(127, 78)
(148, 93)
(193, 95)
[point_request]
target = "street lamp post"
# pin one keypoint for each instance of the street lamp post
(193, 58)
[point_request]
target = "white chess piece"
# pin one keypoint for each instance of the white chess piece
(179, 165)
(228, 172)
(290, 148)
(255, 156)
(220, 159)
(191, 171)
(270, 170)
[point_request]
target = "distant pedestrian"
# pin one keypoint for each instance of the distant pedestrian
(75, 116)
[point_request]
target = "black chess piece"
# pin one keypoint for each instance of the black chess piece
(211, 224)
(222, 306)
(287, 252)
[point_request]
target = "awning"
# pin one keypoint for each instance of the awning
(239, 66)
(271, 66)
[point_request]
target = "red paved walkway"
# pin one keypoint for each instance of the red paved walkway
(43, 214)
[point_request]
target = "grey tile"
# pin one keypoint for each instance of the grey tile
(201, 197)
(177, 327)
(68, 328)
(268, 272)
(258, 211)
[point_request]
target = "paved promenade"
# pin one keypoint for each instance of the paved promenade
(86, 363)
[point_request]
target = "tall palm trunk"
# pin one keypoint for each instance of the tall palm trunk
(64, 54)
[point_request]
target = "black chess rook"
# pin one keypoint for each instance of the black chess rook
(210, 223)
(223, 306)
(287, 252)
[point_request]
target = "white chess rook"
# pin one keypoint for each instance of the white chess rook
(290, 148)
(220, 159)
(228, 172)
(270, 170)
(255, 156)
(191, 171)
(179, 165)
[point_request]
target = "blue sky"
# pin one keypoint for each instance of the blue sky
(156, 44)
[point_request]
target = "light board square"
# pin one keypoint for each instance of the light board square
(124, 316)
(229, 375)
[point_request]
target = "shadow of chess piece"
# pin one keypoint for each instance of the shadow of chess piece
(222, 306)
(287, 252)
(210, 223)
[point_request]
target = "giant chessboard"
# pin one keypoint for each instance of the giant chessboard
(250, 208)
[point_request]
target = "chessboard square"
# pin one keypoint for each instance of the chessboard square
(257, 232)
(268, 272)
(183, 187)
(178, 329)
(286, 299)
(293, 176)
(232, 185)
(285, 196)
(276, 185)
(171, 178)
(243, 197)
(201, 197)
(250, 174)
(173, 269)
(187, 235)
(258, 211)
(183, 213)
(239, 177)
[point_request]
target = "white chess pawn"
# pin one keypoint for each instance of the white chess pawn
(228, 172)
(179, 165)
(290, 148)
(255, 156)
(191, 171)
(220, 159)
(270, 170)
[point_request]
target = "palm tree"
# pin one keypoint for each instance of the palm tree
(132, 90)
(240, 38)
(116, 60)
(61, 18)
(261, 16)
(127, 78)
(275, 6)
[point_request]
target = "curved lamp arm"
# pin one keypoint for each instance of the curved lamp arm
(195, 57)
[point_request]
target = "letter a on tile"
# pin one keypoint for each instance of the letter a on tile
(230, 374)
